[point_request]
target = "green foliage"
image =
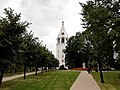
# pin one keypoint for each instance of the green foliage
(78, 50)
(20, 50)
(11, 30)
(101, 18)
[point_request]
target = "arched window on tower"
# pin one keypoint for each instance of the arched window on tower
(58, 40)
(63, 40)
(62, 56)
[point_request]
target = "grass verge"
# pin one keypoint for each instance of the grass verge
(111, 78)
(53, 80)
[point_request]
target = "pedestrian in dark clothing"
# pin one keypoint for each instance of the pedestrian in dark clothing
(89, 70)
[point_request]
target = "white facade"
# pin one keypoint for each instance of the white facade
(60, 46)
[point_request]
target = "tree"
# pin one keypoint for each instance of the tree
(101, 18)
(78, 50)
(28, 50)
(72, 53)
(95, 23)
(37, 56)
(11, 30)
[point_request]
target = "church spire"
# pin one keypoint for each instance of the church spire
(62, 31)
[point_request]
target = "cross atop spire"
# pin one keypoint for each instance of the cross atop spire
(62, 23)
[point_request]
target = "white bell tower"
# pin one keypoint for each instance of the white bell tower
(60, 46)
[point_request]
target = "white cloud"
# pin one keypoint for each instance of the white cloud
(46, 17)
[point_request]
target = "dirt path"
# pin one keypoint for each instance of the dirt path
(17, 76)
(85, 81)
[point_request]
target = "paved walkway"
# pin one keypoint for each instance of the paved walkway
(85, 81)
(16, 76)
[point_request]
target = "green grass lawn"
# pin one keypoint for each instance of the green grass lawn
(112, 81)
(53, 80)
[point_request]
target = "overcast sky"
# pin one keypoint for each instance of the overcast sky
(46, 17)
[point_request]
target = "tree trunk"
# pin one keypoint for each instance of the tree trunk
(101, 74)
(24, 72)
(45, 69)
(42, 70)
(36, 69)
(100, 67)
(112, 57)
(1, 77)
